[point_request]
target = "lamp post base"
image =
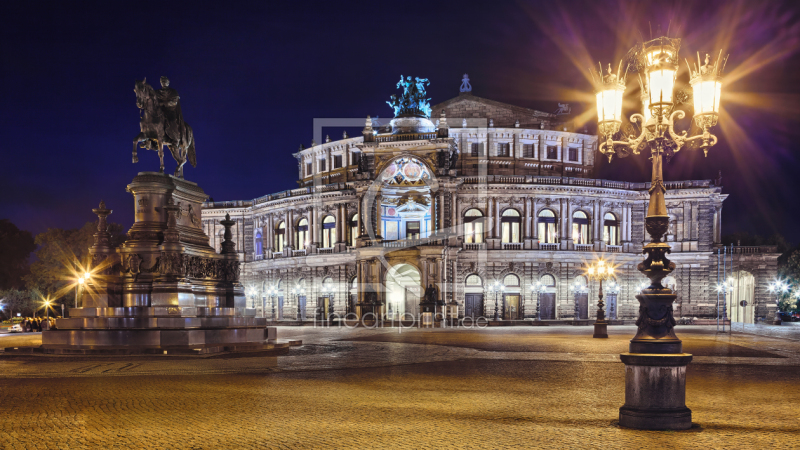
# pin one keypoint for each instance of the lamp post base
(600, 329)
(655, 392)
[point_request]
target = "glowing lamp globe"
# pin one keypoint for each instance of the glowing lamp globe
(609, 108)
(661, 83)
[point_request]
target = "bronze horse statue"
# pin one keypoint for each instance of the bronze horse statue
(154, 126)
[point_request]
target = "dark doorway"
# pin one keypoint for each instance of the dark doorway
(473, 305)
(611, 306)
(547, 306)
(323, 308)
(582, 300)
(301, 307)
(511, 307)
(280, 308)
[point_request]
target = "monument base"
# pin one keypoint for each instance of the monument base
(600, 329)
(655, 392)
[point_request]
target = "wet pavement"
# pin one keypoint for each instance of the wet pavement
(480, 388)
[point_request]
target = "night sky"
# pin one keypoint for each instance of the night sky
(252, 78)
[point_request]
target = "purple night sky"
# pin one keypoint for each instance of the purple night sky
(252, 78)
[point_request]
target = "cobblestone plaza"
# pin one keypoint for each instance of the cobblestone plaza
(475, 388)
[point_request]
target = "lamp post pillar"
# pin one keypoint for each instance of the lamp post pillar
(600, 325)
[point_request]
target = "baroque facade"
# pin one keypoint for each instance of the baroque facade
(491, 192)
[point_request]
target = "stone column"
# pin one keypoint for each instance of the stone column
(433, 214)
(378, 216)
(360, 216)
(496, 213)
(289, 237)
(441, 209)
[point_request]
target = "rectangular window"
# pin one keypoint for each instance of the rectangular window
(309, 169)
(390, 234)
(527, 150)
(412, 230)
(504, 149)
(337, 161)
(322, 165)
(573, 154)
(552, 152)
(356, 158)
(475, 149)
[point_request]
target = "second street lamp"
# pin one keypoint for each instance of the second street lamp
(497, 287)
(537, 288)
(779, 288)
(600, 271)
(272, 292)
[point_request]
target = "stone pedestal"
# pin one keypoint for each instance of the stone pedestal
(655, 392)
(655, 368)
(165, 288)
(600, 329)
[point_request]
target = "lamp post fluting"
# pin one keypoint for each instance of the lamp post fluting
(272, 292)
(497, 287)
(600, 271)
(537, 289)
(655, 364)
(779, 288)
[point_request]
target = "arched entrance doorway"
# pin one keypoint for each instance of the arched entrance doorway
(403, 290)
(741, 302)
(473, 296)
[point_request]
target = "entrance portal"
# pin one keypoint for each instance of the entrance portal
(511, 307)
(403, 290)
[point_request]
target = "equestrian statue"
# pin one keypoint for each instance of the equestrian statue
(161, 122)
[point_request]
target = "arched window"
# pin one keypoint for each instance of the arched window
(474, 280)
(511, 280)
(610, 229)
(580, 228)
(301, 234)
(549, 282)
(328, 231)
(473, 226)
(548, 229)
(259, 244)
(509, 226)
(280, 237)
(353, 225)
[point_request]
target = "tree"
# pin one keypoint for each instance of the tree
(62, 254)
(15, 247)
(16, 301)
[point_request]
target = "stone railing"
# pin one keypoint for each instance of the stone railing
(330, 187)
(258, 258)
(589, 182)
(325, 250)
(511, 246)
(543, 246)
(481, 246)
(276, 255)
(749, 249)
(404, 137)
(301, 252)
(614, 248)
(584, 247)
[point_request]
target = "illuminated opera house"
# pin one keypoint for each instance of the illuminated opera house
(475, 203)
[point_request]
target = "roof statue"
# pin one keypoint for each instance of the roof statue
(412, 102)
(465, 86)
(161, 123)
(563, 109)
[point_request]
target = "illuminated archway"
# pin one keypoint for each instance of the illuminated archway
(403, 290)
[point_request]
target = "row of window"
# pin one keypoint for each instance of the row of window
(504, 150)
(336, 161)
(474, 230)
(547, 225)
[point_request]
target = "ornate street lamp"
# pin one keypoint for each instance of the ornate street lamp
(497, 287)
(537, 288)
(328, 290)
(779, 288)
(578, 288)
(272, 292)
(600, 271)
(656, 365)
(724, 288)
(298, 291)
(80, 286)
